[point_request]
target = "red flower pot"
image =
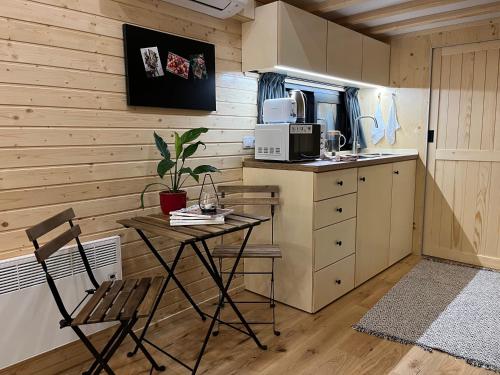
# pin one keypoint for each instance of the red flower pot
(172, 201)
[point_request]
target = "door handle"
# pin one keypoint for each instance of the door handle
(340, 183)
(362, 179)
(338, 243)
(338, 281)
(396, 172)
(339, 209)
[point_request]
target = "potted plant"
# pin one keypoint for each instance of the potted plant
(174, 197)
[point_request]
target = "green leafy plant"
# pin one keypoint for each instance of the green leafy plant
(185, 147)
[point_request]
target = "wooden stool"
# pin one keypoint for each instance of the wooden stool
(262, 251)
(111, 301)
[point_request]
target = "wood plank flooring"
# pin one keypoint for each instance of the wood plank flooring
(318, 344)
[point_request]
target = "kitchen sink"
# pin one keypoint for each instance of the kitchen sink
(374, 155)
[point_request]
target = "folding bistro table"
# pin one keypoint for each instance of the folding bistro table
(192, 235)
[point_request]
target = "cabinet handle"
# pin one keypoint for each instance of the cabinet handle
(338, 281)
(339, 243)
(339, 209)
(396, 172)
(340, 183)
(362, 179)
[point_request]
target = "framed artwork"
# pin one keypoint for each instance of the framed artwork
(169, 71)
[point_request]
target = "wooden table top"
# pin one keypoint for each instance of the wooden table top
(160, 225)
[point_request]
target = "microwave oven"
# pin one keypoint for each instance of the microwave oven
(287, 141)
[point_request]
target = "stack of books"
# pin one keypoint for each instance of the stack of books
(194, 216)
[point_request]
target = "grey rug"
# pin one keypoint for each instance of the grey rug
(448, 307)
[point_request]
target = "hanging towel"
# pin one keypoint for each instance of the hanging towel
(392, 123)
(378, 132)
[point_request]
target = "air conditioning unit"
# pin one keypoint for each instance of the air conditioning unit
(215, 8)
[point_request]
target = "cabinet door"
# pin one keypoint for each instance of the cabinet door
(301, 39)
(344, 52)
(373, 221)
(376, 60)
(403, 194)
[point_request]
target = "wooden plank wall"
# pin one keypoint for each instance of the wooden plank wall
(68, 138)
(410, 78)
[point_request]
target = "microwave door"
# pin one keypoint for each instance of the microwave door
(304, 146)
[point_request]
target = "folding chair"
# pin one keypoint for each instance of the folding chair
(256, 251)
(123, 301)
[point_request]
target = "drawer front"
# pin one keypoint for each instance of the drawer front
(333, 282)
(334, 242)
(335, 183)
(334, 210)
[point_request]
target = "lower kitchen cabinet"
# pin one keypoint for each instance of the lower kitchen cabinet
(336, 229)
(403, 193)
(333, 282)
(373, 221)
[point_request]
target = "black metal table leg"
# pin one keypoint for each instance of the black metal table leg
(170, 271)
(170, 275)
(212, 269)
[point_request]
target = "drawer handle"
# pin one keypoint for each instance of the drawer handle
(339, 243)
(340, 183)
(396, 172)
(362, 179)
(339, 209)
(338, 281)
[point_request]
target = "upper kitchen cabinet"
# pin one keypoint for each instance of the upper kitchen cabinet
(282, 34)
(344, 52)
(376, 60)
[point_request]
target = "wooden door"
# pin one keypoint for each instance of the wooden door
(462, 202)
(402, 206)
(373, 221)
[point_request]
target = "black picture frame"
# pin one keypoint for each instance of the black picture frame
(188, 82)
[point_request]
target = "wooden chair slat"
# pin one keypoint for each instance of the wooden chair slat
(251, 251)
(155, 229)
(248, 189)
(57, 243)
(240, 201)
(49, 224)
(148, 302)
(116, 309)
(135, 299)
(107, 301)
(82, 316)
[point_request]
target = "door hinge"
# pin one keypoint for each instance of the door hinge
(430, 136)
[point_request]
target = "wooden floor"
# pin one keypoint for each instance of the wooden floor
(323, 343)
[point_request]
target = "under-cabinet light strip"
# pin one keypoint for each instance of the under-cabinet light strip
(307, 73)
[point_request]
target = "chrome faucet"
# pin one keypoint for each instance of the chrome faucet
(356, 133)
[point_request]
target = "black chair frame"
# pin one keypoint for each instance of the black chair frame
(101, 358)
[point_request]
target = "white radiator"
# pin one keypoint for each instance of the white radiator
(29, 318)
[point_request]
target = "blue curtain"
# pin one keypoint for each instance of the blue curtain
(271, 86)
(353, 111)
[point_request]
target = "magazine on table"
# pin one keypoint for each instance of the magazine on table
(194, 216)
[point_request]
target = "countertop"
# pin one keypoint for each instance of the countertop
(329, 165)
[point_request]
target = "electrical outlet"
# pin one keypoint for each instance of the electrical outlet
(248, 141)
